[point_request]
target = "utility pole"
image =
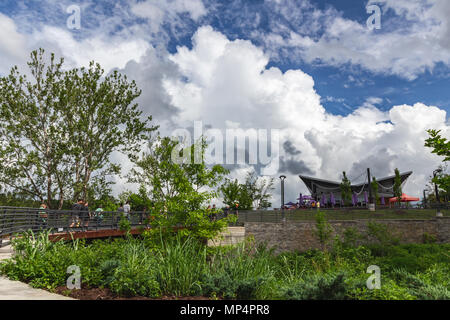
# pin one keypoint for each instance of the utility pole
(282, 177)
(371, 204)
(424, 199)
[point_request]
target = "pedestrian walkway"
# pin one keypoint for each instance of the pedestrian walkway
(16, 290)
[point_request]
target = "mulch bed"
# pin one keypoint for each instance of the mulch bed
(86, 293)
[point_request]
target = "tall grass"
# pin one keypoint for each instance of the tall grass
(185, 267)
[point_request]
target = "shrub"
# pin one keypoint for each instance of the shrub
(323, 287)
(381, 233)
(429, 238)
(132, 282)
(323, 229)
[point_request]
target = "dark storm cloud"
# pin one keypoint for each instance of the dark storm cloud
(380, 164)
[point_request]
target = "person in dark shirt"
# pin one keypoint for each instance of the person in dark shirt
(76, 212)
(85, 215)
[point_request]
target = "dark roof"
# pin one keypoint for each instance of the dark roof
(387, 181)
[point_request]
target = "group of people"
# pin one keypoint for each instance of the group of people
(82, 214)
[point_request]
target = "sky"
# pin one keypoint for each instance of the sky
(341, 94)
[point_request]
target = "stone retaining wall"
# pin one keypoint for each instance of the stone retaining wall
(290, 236)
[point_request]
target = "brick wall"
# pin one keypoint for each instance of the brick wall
(300, 236)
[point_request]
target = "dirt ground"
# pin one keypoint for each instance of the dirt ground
(86, 293)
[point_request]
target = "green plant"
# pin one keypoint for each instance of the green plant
(429, 238)
(351, 236)
(124, 224)
(381, 233)
(323, 229)
(323, 287)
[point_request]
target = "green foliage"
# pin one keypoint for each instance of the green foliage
(60, 127)
(323, 287)
(374, 185)
(236, 195)
(254, 193)
(185, 267)
(397, 185)
(179, 187)
(439, 144)
(351, 237)
(124, 224)
(381, 233)
(346, 190)
(323, 229)
(429, 238)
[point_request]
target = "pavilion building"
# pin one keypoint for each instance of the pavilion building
(320, 188)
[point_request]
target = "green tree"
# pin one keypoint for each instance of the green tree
(397, 186)
(179, 190)
(375, 190)
(235, 193)
(323, 230)
(258, 189)
(439, 144)
(60, 128)
(441, 147)
(253, 193)
(346, 190)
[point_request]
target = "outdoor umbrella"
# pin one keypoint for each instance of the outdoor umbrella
(404, 198)
(332, 200)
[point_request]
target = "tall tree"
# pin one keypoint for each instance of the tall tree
(235, 193)
(346, 189)
(179, 190)
(375, 189)
(441, 147)
(259, 188)
(397, 186)
(60, 128)
(439, 144)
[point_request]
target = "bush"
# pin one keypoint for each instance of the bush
(381, 233)
(429, 238)
(131, 282)
(323, 287)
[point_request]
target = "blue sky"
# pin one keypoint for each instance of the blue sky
(342, 87)
(344, 97)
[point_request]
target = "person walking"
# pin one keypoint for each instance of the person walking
(85, 215)
(127, 210)
(98, 215)
(75, 214)
(120, 215)
(43, 216)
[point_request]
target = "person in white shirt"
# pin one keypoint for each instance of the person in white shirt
(127, 209)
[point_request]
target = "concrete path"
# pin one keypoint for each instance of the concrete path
(16, 290)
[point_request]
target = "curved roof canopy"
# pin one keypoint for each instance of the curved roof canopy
(385, 185)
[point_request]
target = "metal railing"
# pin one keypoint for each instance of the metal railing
(298, 215)
(14, 220)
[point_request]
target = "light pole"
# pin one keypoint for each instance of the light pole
(282, 178)
(438, 213)
(424, 199)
